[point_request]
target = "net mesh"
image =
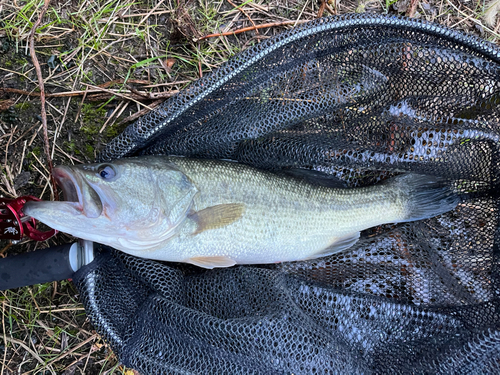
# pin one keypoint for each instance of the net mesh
(356, 99)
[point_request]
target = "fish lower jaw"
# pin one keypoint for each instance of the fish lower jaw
(54, 214)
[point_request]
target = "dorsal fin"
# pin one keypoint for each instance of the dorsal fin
(315, 177)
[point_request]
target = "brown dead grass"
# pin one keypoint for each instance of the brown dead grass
(104, 63)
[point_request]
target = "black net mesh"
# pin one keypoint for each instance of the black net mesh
(358, 99)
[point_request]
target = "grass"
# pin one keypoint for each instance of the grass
(124, 48)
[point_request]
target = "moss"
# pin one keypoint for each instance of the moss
(37, 151)
(15, 62)
(20, 61)
(71, 147)
(23, 106)
(93, 118)
(89, 151)
(115, 130)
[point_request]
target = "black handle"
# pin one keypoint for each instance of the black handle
(40, 266)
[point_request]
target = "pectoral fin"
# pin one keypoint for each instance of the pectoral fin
(217, 216)
(339, 244)
(211, 262)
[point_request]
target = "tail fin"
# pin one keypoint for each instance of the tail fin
(426, 196)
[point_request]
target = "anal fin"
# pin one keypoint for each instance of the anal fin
(338, 245)
(211, 261)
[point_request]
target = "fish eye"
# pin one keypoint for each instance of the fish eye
(106, 172)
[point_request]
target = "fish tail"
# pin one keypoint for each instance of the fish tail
(425, 196)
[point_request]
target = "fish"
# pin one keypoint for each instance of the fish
(217, 213)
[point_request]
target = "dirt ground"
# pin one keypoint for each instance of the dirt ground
(104, 63)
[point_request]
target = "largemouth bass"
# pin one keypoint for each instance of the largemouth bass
(219, 213)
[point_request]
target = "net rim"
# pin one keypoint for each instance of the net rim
(234, 66)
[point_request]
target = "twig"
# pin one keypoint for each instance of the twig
(141, 112)
(168, 84)
(117, 112)
(120, 81)
(74, 93)
(329, 8)
(4, 335)
(200, 71)
(300, 14)
(413, 8)
(146, 16)
(6, 104)
(73, 349)
(99, 93)
(33, 298)
(22, 157)
(81, 104)
(22, 136)
(7, 177)
(2, 254)
(59, 128)
(473, 19)
(42, 94)
(35, 133)
(72, 158)
(8, 144)
(28, 349)
(37, 94)
(321, 9)
(245, 29)
(131, 97)
(246, 15)
(137, 92)
(51, 311)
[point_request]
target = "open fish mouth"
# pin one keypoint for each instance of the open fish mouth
(67, 182)
(78, 191)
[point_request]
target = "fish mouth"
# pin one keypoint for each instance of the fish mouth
(67, 182)
(78, 191)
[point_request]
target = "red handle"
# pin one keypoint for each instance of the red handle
(14, 224)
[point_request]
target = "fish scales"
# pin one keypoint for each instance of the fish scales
(292, 218)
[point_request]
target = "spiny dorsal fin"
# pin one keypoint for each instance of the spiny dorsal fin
(211, 261)
(217, 216)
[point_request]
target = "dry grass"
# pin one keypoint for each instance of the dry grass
(104, 63)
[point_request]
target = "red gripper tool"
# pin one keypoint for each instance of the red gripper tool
(14, 224)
